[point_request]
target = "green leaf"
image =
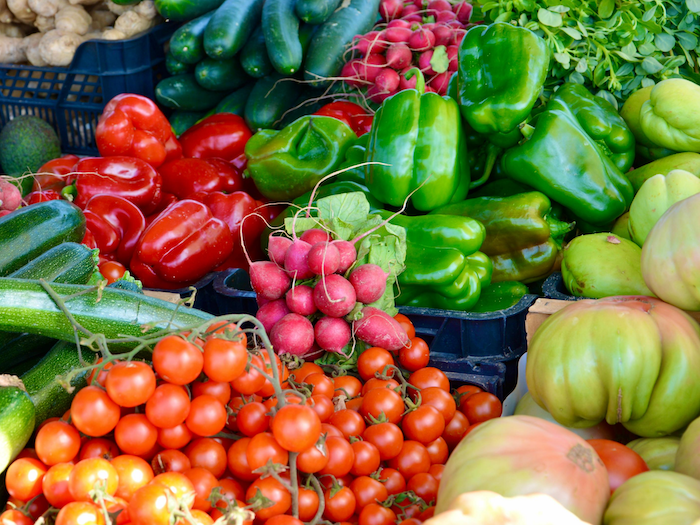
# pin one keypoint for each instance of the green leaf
(607, 96)
(693, 5)
(651, 65)
(606, 8)
(549, 18)
(687, 40)
(649, 14)
(630, 50)
(559, 9)
(573, 33)
(348, 207)
(577, 78)
(665, 42)
(524, 5)
(626, 57)
(674, 62)
(648, 82)
(647, 49)
(581, 67)
(599, 74)
(582, 28)
(440, 61)
(625, 69)
(564, 59)
(505, 17)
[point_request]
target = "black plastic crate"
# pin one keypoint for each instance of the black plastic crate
(554, 288)
(203, 299)
(72, 98)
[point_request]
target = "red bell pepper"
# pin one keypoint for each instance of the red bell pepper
(231, 176)
(132, 125)
(354, 115)
(222, 135)
(182, 245)
(116, 225)
(127, 177)
(89, 240)
(52, 175)
(166, 200)
(190, 178)
(42, 196)
(173, 149)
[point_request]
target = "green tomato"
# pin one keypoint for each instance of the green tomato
(657, 453)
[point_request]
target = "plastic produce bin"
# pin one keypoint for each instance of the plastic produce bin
(554, 288)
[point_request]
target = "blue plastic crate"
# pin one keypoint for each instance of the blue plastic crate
(554, 288)
(71, 99)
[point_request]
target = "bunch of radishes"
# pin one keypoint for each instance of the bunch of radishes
(326, 295)
(418, 33)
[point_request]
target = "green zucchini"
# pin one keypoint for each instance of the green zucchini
(69, 262)
(17, 348)
(187, 43)
(235, 102)
(254, 57)
(182, 10)
(315, 11)
(271, 97)
(28, 364)
(184, 93)
(25, 306)
(231, 26)
(30, 231)
(281, 29)
(17, 416)
(181, 121)
(221, 75)
(175, 67)
(325, 56)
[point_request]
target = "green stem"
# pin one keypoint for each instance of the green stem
(321, 500)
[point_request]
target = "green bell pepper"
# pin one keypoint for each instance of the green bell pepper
(576, 155)
(523, 238)
(419, 142)
(499, 296)
(287, 163)
(354, 156)
(502, 69)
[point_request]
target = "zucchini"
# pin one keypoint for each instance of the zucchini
(231, 26)
(182, 10)
(181, 121)
(315, 11)
(184, 93)
(17, 416)
(30, 231)
(25, 306)
(69, 262)
(187, 43)
(175, 67)
(235, 102)
(325, 56)
(19, 348)
(268, 101)
(220, 75)
(28, 364)
(281, 30)
(254, 57)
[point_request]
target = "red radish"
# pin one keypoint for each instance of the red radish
(414, 18)
(378, 328)
(390, 9)
(440, 82)
(351, 73)
(399, 23)
(4, 212)
(372, 42)
(296, 260)
(420, 4)
(398, 56)
(452, 54)
(445, 16)
(10, 196)
(315, 235)
(332, 333)
(369, 282)
(409, 10)
(277, 247)
(435, 6)
(300, 300)
(443, 35)
(429, 25)
(385, 85)
(269, 280)
(428, 89)
(457, 38)
(324, 258)
(424, 63)
(463, 10)
(334, 296)
(407, 84)
(421, 40)
(398, 34)
(272, 312)
(293, 334)
(348, 255)
(370, 67)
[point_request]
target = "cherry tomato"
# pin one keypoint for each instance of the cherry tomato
(82, 512)
(175, 437)
(341, 457)
(207, 453)
(57, 442)
(311, 460)
(304, 370)
(374, 514)
(177, 483)
(130, 383)
(93, 412)
(406, 324)
(221, 391)
(426, 514)
(436, 471)
(463, 392)
(366, 458)
(382, 401)
(24, 477)
(296, 427)
(102, 375)
(15, 517)
(438, 451)
(149, 505)
(203, 482)
(481, 407)
(274, 491)
(86, 473)
(55, 485)
(264, 447)
(112, 271)
(177, 360)
(425, 486)
(424, 424)
(330, 430)
(251, 381)
(267, 388)
(321, 385)
(455, 429)
(207, 416)
(135, 434)
(354, 404)
(322, 405)
(429, 377)
(368, 490)
(237, 460)
(415, 356)
(621, 462)
(349, 386)
(375, 382)
(374, 361)
(393, 480)
(387, 437)
(99, 448)
(230, 490)
(438, 398)
(308, 504)
(133, 473)
(200, 518)
(413, 459)
(349, 422)
(170, 460)
(252, 419)
(224, 360)
(340, 505)
(283, 519)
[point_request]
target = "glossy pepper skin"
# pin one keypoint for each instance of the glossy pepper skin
(133, 125)
(502, 69)
(190, 178)
(354, 157)
(354, 115)
(182, 245)
(419, 140)
(499, 296)
(287, 163)
(52, 175)
(574, 156)
(222, 135)
(523, 238)
(116, 225)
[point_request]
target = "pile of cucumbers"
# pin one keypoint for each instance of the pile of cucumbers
(256, 58)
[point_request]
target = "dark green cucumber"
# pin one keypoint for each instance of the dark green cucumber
(235, 102)
(175, 67)
(30, 231)
(305, 104)
(181, 121)
(221, 75)
(69, 262)
(271, 97)
(281, 29)
(17, 416)
(254, 57)
(187, 43)
(183, 10)
(184, 92)
(325, 56)
(25, 306)
(50, 398)
(315, 11)
(231, 26)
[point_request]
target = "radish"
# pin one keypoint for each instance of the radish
(370, 66)
(385, 85)
(443, 35)
(324, 258)
(334, 296)
(435, 6)
(424, 63)
(296, 260)
(414, 18)
(409, 10)
(390, 9)
(315, 235)
(277, 247)
(300, 300)
(372, 42)
(421, 40)
(440, 82)
(293, 334)
(420, 4)
(378, 328)
(369, 282)
(332, 333)
(457, 38)
(407, 84)
(348, 255)
(398, 56)
(445, 16)
(272, 312)
(399, 23)
(269, 280)
(463, 10)
(4, 212)
(351, 73)
(10, 196)
(261, 301)
(452, 54)
(398, 34)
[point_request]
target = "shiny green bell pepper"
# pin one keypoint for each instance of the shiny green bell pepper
(499, 296)
(575, 155)
(523, 238)
(354, 156)
(287, 163)
(418, 141)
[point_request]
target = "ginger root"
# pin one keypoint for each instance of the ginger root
(47, 8)
(12, 30)
(116, 8)
(101, 18)
(57, 47)
(131, 23)
(6, 15)
(12, 50)
(33, 52)
(113, 34)
(21, 10)
(44, 23)
(73, 19)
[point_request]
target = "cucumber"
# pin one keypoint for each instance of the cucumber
(254, 57)
(235, 102)
(181, 121)
(281, 30)
(305, 104)
(21, 348)
(183, 92)
(17, 416)
(231, 26)
(270, 98)
(25, 306)
(183, 10)
(176, 67)
(30, 231)
(69, 262)
(315, 11)
(42, 381)
(220, 75)
(325, 56)
(187, 43)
